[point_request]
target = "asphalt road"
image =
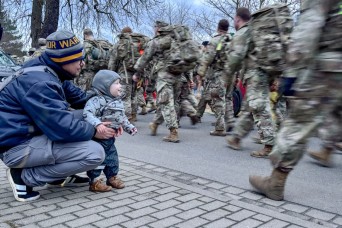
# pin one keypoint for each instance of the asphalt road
(207, 156)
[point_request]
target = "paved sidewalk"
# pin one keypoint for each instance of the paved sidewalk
(156, 197)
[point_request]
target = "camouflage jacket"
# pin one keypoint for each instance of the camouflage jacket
(114, 63)
(210, 56)
(152, 51)
(87, 50)
(323, 21)
(237, 54)
(38, 52)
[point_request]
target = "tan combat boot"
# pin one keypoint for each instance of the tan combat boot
(233, 142)
(263, 153)
(143, 110)
(153, 127)
(322, 156)
(173, 136)
(218, 133)
(272, 186)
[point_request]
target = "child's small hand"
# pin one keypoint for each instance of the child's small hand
(134, 131)
(101, 128)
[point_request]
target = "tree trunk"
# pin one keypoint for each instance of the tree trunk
(50, 24)
(36, 21)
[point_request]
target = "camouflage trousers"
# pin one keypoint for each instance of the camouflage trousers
(204, 101)
(84, 80)
(318, 100)
(150, 88)
(166, 90)
(138, 99)
(279, 112)
(186, 102)
(223, 112)
(256, 106)
(127, 89)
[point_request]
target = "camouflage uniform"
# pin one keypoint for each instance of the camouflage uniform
(117, 65)
(319, 87)
(85, 79)
(41, 49)
(218, 83)
(315, 56)
(166, 84)
(187, 103)
(205, 96)
(257, 83)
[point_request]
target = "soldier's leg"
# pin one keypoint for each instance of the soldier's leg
(166, 103)
(218, 94)
(316, 96)
(229, 112)
(126, 95)
(202, 104)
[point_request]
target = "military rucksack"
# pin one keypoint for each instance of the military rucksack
(271, 28)
(97, 54)
(222, 48)
(181, 53)
(130, 47)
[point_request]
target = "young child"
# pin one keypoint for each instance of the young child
(107, 106)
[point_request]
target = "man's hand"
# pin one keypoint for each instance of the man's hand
(104, 132)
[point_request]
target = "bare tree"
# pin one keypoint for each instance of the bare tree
(36, 21)
(41, 17)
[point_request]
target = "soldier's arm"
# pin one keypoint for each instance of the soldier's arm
(207, 59)
(302, 47)
(237, 51)
(146, 57)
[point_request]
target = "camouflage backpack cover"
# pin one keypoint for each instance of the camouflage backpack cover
(271, 28)
(130, 47)
(221, 51)
(97, 54)
(181, 52)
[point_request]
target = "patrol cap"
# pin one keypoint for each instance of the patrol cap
(64, 47)
(126, 30)
(32, 49)
(88, 32)
(160, 24)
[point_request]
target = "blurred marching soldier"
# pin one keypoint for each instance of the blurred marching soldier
(315, 59)
(214, 57)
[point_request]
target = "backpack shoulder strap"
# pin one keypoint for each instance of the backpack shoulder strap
(25, 70)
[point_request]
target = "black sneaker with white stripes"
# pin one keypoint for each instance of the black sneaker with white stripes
(21, 191)
(71, 181)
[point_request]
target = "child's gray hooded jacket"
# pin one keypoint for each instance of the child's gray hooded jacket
(104, 106)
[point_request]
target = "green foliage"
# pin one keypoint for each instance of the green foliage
(11, 40)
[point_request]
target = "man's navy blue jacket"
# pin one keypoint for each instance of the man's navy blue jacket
(37, 103)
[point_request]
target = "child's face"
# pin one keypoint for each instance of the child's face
(115, 88)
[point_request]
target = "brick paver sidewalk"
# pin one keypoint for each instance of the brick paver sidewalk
(156, 197)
